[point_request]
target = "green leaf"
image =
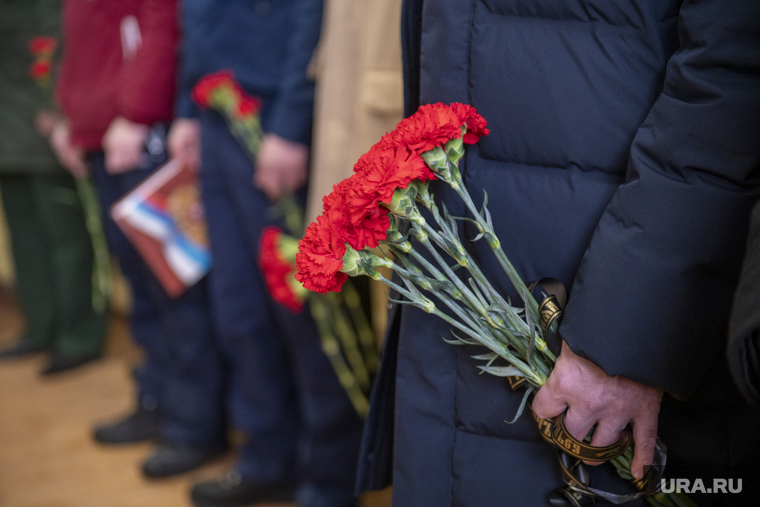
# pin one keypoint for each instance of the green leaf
(522, 406)
(502, 371)
(486, 357)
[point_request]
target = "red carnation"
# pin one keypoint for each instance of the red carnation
(40, 70)
(277, 271)
(476, 124)
(42, 45)
(320, 258)
(247, 106)
(368, 228)
(431, 126)
(207, 85)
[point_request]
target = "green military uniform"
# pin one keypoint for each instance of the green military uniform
(52, 250)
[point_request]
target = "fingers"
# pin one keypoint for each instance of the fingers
(644, 441)
(184, 142)
(268, 182)
(607, 432)
(548, 403)
(120, 159)
(579, 422)
(76, 165)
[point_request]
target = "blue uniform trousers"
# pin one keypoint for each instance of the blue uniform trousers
(182, 370)
(299, 424)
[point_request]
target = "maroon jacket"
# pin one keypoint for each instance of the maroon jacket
(119, 59)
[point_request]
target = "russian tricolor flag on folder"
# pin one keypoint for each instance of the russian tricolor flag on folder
(163, 219)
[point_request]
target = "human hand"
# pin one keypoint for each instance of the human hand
(592, 397)
(123, 145)
(184, 141)
(282, 165)
(69, 156)
(45, 121)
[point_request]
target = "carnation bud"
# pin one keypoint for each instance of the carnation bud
(439, 163)
(402, 205)
(436, 159)
(352, 262)
(455, 148)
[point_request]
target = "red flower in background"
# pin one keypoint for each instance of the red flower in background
(278, 271)
(207, 85)
(42, 45)
(320, 258)
(248, 105)
(40, 70)
(235, 100)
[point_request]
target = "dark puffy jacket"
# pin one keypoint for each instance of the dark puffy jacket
(623, 160)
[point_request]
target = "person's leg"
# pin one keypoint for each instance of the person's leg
(33, 274)
(176, 334)
(80, 328)
(262, 397)
(331, 427)
(144, 423)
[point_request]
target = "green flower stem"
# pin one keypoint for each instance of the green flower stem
(500, 349)
(501, 334)
(484, 227)
(518, 325)
(320, 312)
(441, 296)
(366, 335)
(348, 341)
(472, 267)
(101, 268)
(493, 241)
(453, 243)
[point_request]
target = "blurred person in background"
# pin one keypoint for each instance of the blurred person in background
(301, 432)
(117, 81)
(51, 247)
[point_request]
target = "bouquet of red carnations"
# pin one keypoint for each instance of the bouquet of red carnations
(344, 330)
(379, 206)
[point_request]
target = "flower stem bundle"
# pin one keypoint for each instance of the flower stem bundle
(371, 218)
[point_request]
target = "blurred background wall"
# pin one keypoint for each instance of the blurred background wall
(6, 262)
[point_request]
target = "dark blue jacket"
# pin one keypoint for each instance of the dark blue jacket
(267, 44)
(623, 160)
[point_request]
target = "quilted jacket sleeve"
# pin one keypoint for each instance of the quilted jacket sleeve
(652, 296)
(293, 111)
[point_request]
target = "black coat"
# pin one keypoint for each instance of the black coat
(623, 160)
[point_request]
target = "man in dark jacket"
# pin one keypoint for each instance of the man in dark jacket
(301, 433)
(624, 157)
